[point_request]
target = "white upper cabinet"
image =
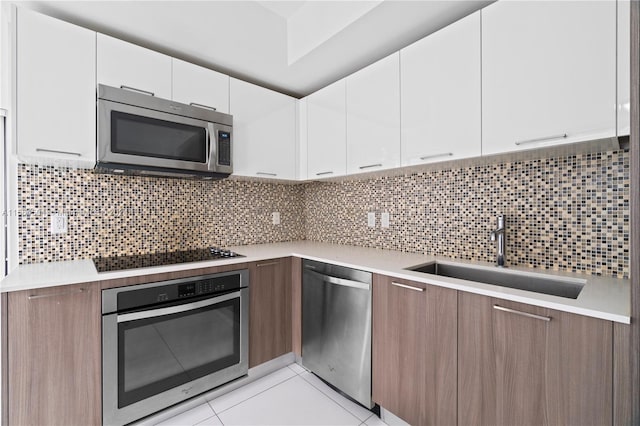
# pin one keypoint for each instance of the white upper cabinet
(122, 64)
(327, 132)
(200, 86)
(624, 67)
(264, 131)
(548, 73)
(301, 143)
(440, 80)
(373, 116)
(55, 92)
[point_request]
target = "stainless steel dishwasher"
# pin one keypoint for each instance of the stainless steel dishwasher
(336, 327)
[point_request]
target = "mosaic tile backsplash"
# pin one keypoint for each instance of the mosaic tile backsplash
(569, 213)
(109, 215)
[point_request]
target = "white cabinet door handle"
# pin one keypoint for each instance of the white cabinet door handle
(370, 166)
(203, 106)
(427, 157)
(546, 138)
(133, 89)
(55, 151)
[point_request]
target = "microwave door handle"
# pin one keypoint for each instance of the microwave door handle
(211, 146)
(133, 316)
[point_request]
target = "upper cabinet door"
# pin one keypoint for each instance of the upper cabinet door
(624, 67)
(264, 131)
(440, 79)
(327, 132)
(373, 116)
(200, 86)
(55, 92)
(548, 73)
(122, 64)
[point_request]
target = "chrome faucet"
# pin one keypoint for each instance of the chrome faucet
(499, 233)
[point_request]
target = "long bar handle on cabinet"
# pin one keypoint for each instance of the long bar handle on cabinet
(266, 174)
(524, 314)
(370, 166)
(203, 106)
(546, 138)
(55, 151)
(324, 173)
(428, 157)
(410, 287)
(43, 296)
(260, 265)
(133, 89)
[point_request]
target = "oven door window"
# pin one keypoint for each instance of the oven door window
(152, 137)
(159, 353)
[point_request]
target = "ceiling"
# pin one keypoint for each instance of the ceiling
(295, 47)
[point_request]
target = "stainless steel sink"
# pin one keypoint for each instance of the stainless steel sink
(569, 288)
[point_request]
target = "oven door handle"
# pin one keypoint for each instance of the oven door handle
(133, 316)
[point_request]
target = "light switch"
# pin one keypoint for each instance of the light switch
(371, 219)
(384, 220)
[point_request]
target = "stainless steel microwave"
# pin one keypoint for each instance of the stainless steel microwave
(141, 134)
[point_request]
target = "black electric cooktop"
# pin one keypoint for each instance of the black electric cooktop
(117, 263)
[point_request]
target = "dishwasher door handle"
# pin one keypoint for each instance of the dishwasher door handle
(340, 281)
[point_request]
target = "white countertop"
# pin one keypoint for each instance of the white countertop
(602, 297)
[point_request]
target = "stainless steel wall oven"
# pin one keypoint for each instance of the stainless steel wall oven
(167, 341)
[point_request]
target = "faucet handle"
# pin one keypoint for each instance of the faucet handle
(493, 235)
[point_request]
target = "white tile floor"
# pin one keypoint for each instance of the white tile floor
(289, 396)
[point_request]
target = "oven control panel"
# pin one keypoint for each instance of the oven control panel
(208, 286)
(169, 291)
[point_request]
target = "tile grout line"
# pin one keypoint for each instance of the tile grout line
(252, 396)
(208, 418)
(332, 400)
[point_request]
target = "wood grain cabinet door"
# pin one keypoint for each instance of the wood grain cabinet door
(414, 350)
(525, 365)
(269, 310)
(54, 351)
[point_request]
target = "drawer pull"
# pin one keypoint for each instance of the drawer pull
(410, 287)
(133, 89)
(55, 151)
(524, 314)
(67, 293)
(428, 157)
(266, 174)
(324, 173)
(260, 265)
(203, 106)
(547, 138)
(370, 166)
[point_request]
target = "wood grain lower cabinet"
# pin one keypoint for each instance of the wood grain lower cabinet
(414, 350)
(524, 365)
(269, 310)
(54, 353)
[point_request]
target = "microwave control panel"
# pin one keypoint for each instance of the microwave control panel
(224, 148)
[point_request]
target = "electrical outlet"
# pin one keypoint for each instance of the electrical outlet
(275, 218)
(384, 220)
(371, 219)
(58, 223)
